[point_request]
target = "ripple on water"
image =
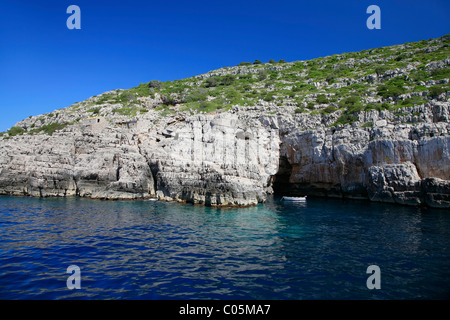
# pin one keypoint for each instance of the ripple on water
(154, 250)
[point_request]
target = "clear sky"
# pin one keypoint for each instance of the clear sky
(45, 66)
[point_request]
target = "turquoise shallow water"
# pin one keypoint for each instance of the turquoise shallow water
(158, 250)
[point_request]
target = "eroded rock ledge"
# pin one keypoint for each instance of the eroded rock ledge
(237, 158)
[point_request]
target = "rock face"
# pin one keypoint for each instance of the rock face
(404, 163)
(104, 166)
(206, 159)
(233, 135)
(237, 158)
(215, 160)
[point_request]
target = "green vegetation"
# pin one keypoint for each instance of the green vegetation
(321, 98)
(196, 95)
(439, 74)
(420, 75)
(295, 82)
(345, 118)
(94, 110)
(268, 97)
(209, 106)
(436, 91)
(49, 128)
(420, 88)
(300, 110)
(352, 104)
(304, 88)
(219, 81)
(380, 70)
(126, 111)
(392, 88)
(310, 105)
(329, 109)
(378, 106)
(155, 84)
(104, 99)
(413, 101)
(125, 97)
(262, 75)
(14, 131)
(323, 86)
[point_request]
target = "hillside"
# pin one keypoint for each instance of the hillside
(388, 78)
(372, 124)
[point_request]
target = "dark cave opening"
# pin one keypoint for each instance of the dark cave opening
(280, 182)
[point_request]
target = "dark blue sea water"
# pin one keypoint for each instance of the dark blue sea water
(160, 250)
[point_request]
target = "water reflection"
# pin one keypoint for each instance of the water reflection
(144, 249)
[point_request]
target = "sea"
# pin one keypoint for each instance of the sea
(321, 249)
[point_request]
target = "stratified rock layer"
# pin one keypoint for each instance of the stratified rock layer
(403, 163)
(236, 158)
(232, 136)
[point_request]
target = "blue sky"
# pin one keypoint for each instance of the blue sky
(45, 66)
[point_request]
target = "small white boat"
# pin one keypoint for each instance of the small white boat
(294, 198)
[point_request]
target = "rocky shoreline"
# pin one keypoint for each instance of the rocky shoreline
(237, 158)
(382, 136)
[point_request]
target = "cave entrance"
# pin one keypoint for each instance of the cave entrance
(280, 181)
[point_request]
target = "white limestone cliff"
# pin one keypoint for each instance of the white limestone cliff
(236, 159)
